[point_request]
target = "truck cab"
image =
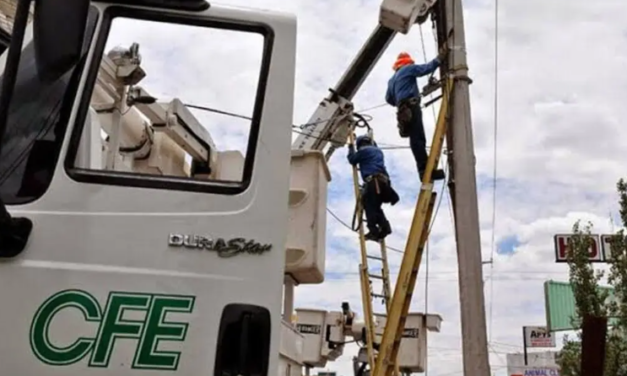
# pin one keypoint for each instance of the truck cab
(146, 233)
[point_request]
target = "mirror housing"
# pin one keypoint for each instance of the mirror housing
(14, 234)
(58, 32)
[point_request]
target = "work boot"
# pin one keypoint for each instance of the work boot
(374, 236)
(435, 175)
(386, 230)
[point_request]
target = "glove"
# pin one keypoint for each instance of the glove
(442, 53)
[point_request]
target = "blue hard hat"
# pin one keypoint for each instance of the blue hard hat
(363, 139)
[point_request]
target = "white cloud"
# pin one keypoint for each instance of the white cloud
(560, 140)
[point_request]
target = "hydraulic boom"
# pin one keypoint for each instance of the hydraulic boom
(331, 121)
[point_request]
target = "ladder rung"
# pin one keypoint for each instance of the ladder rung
(375, 276)
(375, 257)
(378, 296)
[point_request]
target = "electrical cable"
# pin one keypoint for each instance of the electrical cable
(532, 275)
(301, 126)
(362, 118)
(343, 223)
(209, 109)
(424, 54)
(373, 107)
(503, 278)
(494, 172)
(437, 208)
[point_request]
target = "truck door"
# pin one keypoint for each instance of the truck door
(157, 238)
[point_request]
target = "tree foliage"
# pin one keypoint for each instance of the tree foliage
(590, 300)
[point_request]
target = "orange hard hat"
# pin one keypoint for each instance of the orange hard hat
(402, 59)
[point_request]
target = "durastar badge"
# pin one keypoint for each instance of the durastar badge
(224, 248)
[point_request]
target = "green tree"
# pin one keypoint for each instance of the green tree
(590, 300)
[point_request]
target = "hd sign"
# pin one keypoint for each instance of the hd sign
(599, 251)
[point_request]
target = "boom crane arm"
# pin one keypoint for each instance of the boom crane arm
(331, 122)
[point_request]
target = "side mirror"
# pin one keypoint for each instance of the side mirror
(14, 234)
(58, 32)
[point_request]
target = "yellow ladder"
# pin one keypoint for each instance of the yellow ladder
(366, 277)
(387, 291)
(419, 232)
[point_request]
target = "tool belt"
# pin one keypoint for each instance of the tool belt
(382, 187)
(378, 177)
(404, 115)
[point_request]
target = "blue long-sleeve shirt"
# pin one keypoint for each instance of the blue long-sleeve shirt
(403, 83)
(370, 159)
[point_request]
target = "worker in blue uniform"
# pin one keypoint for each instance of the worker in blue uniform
(377, 188)
(403, 93)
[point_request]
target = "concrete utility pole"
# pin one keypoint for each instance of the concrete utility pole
(464, 192)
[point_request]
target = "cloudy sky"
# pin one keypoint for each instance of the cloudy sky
(560, 141)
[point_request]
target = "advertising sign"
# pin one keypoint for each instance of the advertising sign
(560, 305)
(538, 336)
(538, 364)
(600, 251)
(533, 371)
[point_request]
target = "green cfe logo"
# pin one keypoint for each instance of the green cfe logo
(112, 326)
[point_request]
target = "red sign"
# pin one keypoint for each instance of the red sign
(595, 252)
(607, 247)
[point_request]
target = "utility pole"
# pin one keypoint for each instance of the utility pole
(463, 190)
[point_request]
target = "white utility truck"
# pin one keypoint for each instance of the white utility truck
(130, 242)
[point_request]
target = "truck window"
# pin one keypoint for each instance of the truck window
(36, 125)
(175, 104)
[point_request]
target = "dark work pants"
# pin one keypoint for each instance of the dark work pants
(417, 139)
(372, 202)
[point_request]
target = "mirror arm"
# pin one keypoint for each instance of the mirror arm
(14, 232)
(12, 64)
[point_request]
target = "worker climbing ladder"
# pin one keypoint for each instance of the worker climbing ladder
(385, 361)
(367, 276)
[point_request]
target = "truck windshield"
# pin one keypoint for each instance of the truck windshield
(37, 121)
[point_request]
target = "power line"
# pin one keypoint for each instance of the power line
(424, 53)
(301, 126)
(535, 275)
(373, 107)
(214, 110)
(352, 276)
(296, 128)
(350, 228)
(494, 175)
